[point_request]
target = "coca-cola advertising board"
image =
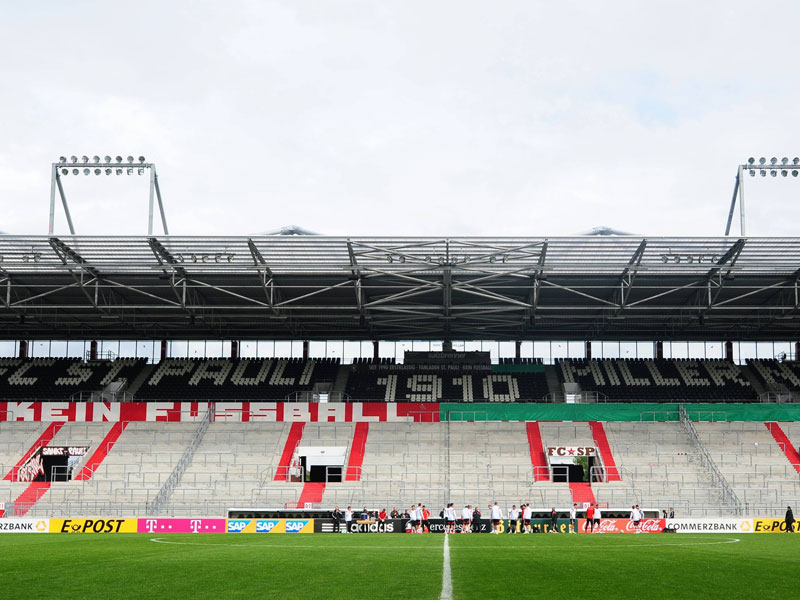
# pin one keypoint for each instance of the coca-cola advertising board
(625, 526)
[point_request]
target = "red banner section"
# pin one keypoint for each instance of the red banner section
(624, 526)
(234, 412)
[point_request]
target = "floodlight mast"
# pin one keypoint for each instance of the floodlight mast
(762, 167)
(118, 167)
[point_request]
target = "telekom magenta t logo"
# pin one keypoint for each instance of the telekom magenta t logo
(195, 524)
(150, 525)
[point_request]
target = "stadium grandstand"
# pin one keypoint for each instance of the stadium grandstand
(215, 376)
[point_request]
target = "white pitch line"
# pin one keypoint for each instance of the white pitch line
(447, 581)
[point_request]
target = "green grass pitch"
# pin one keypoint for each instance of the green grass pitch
(379, 566)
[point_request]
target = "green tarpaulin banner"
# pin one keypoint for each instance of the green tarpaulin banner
(498, 411)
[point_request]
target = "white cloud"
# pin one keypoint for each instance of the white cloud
(431, 118)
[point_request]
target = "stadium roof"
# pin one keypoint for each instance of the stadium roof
(320, 287)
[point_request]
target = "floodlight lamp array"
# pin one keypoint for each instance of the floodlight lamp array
(109, 166)
(784, 168)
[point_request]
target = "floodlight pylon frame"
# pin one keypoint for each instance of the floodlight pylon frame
(56, 184)
(738, 187)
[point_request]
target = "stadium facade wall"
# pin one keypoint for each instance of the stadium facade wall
(356, 412)
(617, 412)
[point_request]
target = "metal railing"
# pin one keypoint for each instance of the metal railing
(778, 397)
(175, 478)
(659, 415)
(587, 397)
(468, 416)
(309, 396)
(728, 495)
(100, 396)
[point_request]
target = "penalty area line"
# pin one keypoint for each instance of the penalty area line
(447, 581)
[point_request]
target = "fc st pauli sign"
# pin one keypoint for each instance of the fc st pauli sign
(571, 451)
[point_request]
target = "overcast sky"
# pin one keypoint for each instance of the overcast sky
(404, 117)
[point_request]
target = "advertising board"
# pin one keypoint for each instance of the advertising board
(710, 525)
(93, 525)
(772, 526)
(270, 526)
(24, 525)
(181, 526)
(625, 526)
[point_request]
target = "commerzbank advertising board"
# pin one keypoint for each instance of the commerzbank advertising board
(711, 525)
(24, 525)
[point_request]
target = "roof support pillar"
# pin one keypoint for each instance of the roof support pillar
(588, 345)
(93, 350)
(23, 348)
(234, 349)
(729, 350)
(659, 350)
(376, 350)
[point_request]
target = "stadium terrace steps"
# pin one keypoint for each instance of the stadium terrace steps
(357, 449)
(581, 492)
(783, 440)
(129, 477)
(753, 464)
(311, 494)
(340, 383)
(554, 385)
(432, 463)
(660, 468)
(292, 441)
(32, 493)
(102, 451)
(753, 379)
(42, 440)
(235, 466)
(601, 441)
(403, 463)
(487, 461)
(538, 458)
(15, 439)
(134, 385)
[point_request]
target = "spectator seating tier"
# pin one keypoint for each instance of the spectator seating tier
(646, 380)
(447, 383)
(235, 379)
(60, 378)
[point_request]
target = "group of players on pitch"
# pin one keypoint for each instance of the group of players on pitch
(519, 518)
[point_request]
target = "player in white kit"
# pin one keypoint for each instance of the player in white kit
(573, 519)
(513, 517)
(526, 518)
(466, 519)
(497, 517)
